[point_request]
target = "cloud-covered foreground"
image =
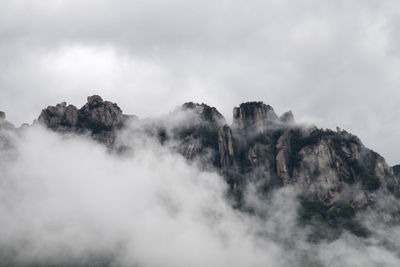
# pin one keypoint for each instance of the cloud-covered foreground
(67, 200)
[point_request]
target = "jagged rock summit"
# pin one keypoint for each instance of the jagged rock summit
(104, 115)
(100, 118)
(255, 115)
(60, 116)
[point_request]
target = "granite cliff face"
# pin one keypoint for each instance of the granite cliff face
(255, 116)
(335, 175)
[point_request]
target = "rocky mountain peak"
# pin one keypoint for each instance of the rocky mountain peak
(205, 113)
(2, 115)
(59, 117)
(96, 116)
(94, 101)
(256, 115)
(99, 113)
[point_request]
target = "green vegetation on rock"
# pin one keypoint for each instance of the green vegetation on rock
(329, 221)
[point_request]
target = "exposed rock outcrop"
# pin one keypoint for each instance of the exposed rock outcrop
(204, 115)
(283, 155)
(327, 163)
(60, 117)
(254, 115)
(225, 147)
(198, 138)
(98, 117)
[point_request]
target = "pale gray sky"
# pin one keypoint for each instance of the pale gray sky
(331, 62)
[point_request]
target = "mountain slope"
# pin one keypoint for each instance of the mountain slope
(336, 177)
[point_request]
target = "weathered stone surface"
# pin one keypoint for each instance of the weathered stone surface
(99, 114)
(225, 147)
(190, 150)
(98, 117)
(2, 115)
(254, 116)
(59, 117)
(328, 164)
(283, 150)
(197, 134)
(204, 115)
(70, 117)
(316, 173)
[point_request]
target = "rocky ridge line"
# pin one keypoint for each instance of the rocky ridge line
(335, 175)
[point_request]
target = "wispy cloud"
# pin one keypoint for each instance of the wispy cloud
(65, 198)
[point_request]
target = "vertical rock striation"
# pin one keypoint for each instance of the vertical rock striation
(254, 116)
(225, 147)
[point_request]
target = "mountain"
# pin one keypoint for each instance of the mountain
(335, 176)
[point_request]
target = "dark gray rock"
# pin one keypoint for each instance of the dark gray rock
(99, 114)
(225, 147)
(283, 149)
(254, 116)
(100, 118)
(60, 117)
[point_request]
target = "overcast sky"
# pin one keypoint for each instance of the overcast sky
(333, 63)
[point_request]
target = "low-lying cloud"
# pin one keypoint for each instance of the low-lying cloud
(65, 199)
